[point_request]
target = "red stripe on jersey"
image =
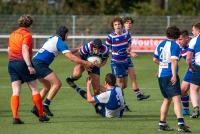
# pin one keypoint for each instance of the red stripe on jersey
(184, 52)
(114, 51)
(120, 59)
(120, 42)
(108, 41)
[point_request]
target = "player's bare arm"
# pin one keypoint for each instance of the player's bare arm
(25, 53)
(133, 54)
(8, 50)
(78, 60)
(174, 68)
(74, 50)
(189, 60)
(156, 60)
(90, 97)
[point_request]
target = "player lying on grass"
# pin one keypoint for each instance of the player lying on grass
(111, 101)
(89, 49)
(128, 23)
(184, 40)
(52, 47)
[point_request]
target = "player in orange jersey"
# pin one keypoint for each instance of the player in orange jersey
(20, 68)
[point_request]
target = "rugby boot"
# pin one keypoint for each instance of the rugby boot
(17, 121)
(195, 114)
(47, 111)
(164, 128)
(143, 97)
(183, 128)
(35, 111)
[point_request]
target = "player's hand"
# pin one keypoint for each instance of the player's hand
(134, 55)
(173, 80)
(89, 64)
(192, 69)
(31, 70)
(97, 64)
(87, 68)
(128, 49)
(89, 81)
(157, 75)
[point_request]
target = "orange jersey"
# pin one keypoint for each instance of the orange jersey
(17, 39)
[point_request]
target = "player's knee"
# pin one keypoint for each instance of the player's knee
(96, 92)
(58, 84)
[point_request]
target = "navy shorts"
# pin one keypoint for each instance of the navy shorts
(119, 70)
(130, 63)
(95, 69)
(18, 70)
(100, 109)
(42, 68)
(167, 90)
(188, 76)
(195, 79)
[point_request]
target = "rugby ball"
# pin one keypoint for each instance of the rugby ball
(94, 58)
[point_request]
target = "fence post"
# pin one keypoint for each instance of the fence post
(34, 46)
(168, 21)
(73, 29)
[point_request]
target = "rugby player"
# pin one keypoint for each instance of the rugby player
(184, 40)
(111, 100)
(51, 48)
(89, 49)
(194, 48)
(166, 56)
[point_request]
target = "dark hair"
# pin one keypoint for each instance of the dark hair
(184, 33)
(97, 44)
(128, 18)
(116, 18)
(25, 21)
(173, 32)
(110, 79)
(61, 31)
(196, 25)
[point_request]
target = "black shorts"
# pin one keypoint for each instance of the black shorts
(195, 79)
(18, 70)
(42, 68)
(167, 89)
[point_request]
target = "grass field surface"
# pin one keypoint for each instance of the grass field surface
(74, 115)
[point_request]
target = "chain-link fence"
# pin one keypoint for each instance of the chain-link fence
(92, 25)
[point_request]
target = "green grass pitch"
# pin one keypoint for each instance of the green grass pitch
(74, 115)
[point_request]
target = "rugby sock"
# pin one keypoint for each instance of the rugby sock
(137, 92)
(15, 105)
(80, 91)
(197, 107)
(185, 102)
(162, 123)
(180, 121)
(47, 102)
(37, 99)
(124, 99)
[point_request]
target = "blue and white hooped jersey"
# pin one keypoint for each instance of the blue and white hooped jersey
(194, 46)
(114, 101)
(51, 48)
(87, 50)
(166, 51)
(128, 54)
(119, 44)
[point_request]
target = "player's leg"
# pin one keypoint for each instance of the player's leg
(125, 81)
(194, 89)
(16, 87)
(56, 84)
(95, 83)
(46, 87)
(77, 73)
(131, 72)
(37, 99)
(185, 86)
